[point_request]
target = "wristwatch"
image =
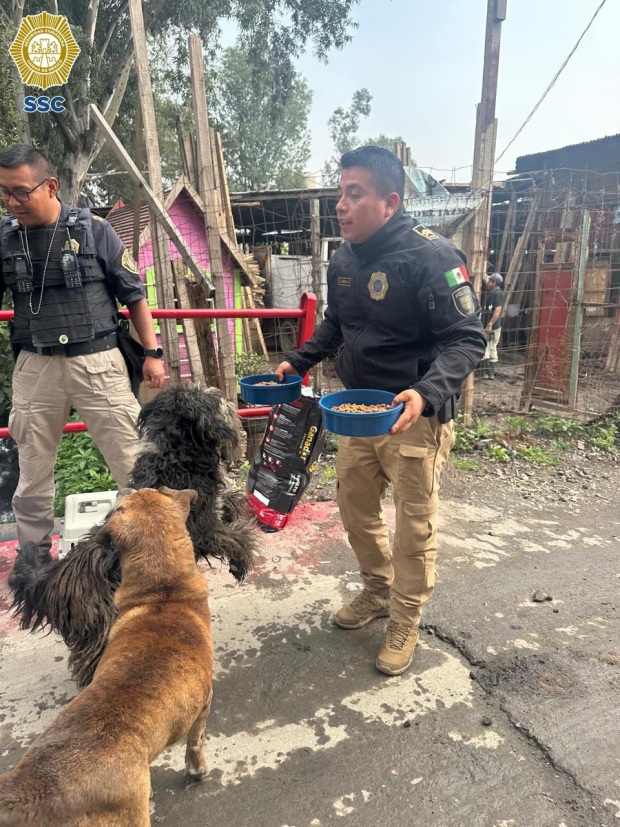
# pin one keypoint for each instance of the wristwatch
(155, 352)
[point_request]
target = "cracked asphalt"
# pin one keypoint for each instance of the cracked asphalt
(509, 716)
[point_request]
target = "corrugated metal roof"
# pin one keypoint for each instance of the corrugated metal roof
(121, 220)
(267, 195)
(534, 161)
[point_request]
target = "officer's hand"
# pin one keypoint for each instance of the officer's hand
(153, 372)
(414, 405)
(285, 368)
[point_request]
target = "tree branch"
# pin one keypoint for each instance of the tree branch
(91, 20)
(17, 11)
(75, 123)
(13, 19)
(112, 29)
(112, 98)
(70, 139)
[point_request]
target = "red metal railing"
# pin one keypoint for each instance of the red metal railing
(306, 313)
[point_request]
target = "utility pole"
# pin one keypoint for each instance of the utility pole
(484, 166)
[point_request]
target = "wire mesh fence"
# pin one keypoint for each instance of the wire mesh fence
(554, 238)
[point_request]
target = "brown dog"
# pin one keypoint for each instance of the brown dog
(152, 686)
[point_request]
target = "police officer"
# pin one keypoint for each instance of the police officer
(65, 268)
(401, 306)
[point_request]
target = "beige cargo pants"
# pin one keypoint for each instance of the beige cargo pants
(412, 462)
(45, 388)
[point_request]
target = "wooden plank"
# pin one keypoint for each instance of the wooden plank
(189, 329)
(247, 333)
(161, 250)
(230, 223)
(255, 322)
(578, 324)
(187, 153)
(154, 202)
(137, 200)
(317, 275)
(226, 362)
(217, 182)
(596, 288)
(510, 281)
(532, 363)
(204, 333)
(467, 388)
(509, 226)
(613, 357)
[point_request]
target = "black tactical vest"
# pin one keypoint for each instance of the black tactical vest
(76, 305)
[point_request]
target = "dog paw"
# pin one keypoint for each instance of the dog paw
(196, 775)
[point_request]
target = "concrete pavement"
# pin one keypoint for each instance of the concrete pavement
(507, 718)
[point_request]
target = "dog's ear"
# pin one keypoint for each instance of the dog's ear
(187, 495)
(103, 537)
(190, 495)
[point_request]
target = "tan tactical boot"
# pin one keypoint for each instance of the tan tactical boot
(396, 653)
(364, 608)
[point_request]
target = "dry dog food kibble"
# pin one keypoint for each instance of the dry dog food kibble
(263, 384)
(348, 407)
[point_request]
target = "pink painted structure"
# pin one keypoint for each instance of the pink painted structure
(189, 221)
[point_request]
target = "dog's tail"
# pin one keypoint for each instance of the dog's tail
(74, 597)
(233, 506)
(23, 582)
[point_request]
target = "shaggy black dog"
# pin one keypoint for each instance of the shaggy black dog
(182, 433)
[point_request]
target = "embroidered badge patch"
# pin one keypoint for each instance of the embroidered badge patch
(128, 263)
(456, 276)
(378, 286)
(98, 218)
(344, 281)
(463, 301)
(420, 229)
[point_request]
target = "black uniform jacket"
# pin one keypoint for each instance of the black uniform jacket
(405, 312)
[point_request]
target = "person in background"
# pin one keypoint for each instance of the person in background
(65, 268)
(401, 305)
(492, 302)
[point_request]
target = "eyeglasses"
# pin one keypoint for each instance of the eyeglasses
(20, 195)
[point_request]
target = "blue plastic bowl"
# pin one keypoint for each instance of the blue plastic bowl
(287, 391)
(359, 424)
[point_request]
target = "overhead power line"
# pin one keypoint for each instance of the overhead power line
(552, 84)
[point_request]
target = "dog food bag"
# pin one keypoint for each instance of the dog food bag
(285, 461)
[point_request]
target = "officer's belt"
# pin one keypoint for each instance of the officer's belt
(76, 349)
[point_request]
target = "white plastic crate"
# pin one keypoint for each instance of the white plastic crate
(82, 512)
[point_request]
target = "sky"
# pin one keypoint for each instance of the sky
(422, 63)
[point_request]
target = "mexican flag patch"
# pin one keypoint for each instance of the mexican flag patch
(456, 276)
